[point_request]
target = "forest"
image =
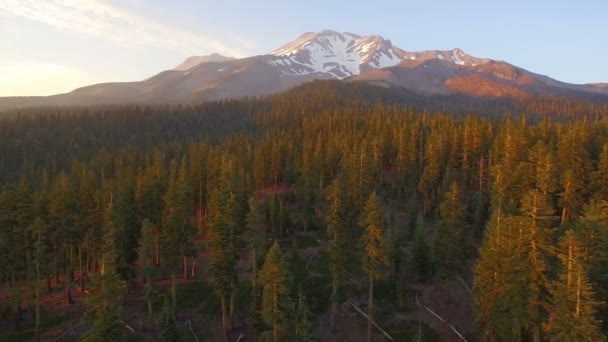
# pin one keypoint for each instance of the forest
(331, 212)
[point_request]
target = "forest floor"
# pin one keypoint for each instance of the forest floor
(198, 306)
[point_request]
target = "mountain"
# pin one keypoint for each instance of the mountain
(193, 61)
(323, 55)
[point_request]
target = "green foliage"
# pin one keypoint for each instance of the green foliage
(277, 306)
(421, 253)
(167, 328)
(373, 243)
(450, 245)
(105, 299)
(573, 307)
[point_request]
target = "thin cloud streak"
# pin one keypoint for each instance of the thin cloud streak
(101, 19)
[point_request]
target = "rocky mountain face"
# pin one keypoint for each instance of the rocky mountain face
(323, 55)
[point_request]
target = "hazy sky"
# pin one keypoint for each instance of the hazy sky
(52, 46)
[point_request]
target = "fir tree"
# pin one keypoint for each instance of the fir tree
(450, 242)
(421, 258)
(167, 328)
(106, 291)
(374, 259)
(338, 250)
(277, 307)
(573, 304)
(304, 325)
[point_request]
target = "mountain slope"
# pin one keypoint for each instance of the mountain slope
(323, 55)
(193, 61)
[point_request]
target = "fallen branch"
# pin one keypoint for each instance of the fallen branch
(462, 338)
(128, 326)
(67, 332)
(373, 322)
(241, 336)
(192, 331)
(461, 281)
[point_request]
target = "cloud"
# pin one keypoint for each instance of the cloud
(38, 78)
(103, 20)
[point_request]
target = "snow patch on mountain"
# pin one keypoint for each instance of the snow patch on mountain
(339, 55)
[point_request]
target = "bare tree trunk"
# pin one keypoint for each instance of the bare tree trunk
(370, 308)
(334, 301)
(231, 309)
(67, 284)
(193, 269)
(185, 267)
(224, 328)
(80, 269)
(48, 284)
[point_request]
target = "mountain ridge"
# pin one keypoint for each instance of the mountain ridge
(321, 55)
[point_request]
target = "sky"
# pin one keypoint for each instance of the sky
(54, 46)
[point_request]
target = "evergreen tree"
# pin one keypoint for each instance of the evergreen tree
(338, 250)
(421, 258)
(38, 228)
(167, 329)
(277, 307)
(146, 256)
(104, 302)
(256, 236)
(573, 304)
(373, 245)
(450, 241)
(222, 256)
(304, 325)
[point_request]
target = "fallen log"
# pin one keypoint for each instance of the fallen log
(462, 338)
(192, 331)
(67, 332)
(373, 322)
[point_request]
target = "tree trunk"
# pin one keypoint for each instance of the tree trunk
(15, 299)
(37, 296)
(149, 302)
(185, 267)
(71, 259)
(334, 301)
(48, 284)
(193, 269)
(80, 269)
(224, 328)
(67, 284)
(370, 308)
(157, 255)
(231, 308)
(173, 292)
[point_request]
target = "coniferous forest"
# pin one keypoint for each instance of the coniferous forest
(331, 212)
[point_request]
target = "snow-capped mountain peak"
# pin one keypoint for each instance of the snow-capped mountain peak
(341, 54)
(336, 54)
(456, 56)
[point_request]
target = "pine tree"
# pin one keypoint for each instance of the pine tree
(421, 258)
(38, 228)
(450, 242)
(374, 259)
(304, 325)
(255, 234)
(167, 329)
(104, 301)
(277, 307)
(497, 305)
(222, 256)
(338, 250)
(146, 256)
(573, 304)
